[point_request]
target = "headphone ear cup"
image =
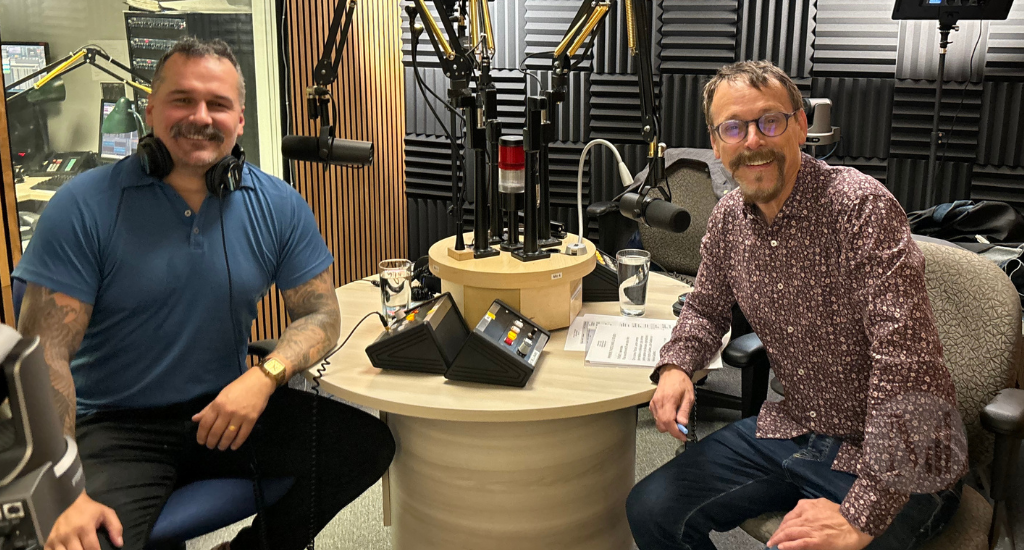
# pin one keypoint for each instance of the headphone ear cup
(226, 176)
(156, 159)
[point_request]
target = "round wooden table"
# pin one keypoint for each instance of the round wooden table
(547, 466)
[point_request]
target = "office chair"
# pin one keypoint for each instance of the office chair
(978, 315)
(206, 505)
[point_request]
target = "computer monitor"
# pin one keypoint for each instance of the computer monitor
(115, 146)
(21, 59)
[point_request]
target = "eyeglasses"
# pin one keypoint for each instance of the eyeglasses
(770, 124)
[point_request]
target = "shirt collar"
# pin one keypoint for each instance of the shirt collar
(804, 190)
(134, 176)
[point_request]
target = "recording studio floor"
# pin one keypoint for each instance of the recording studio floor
(359, 526)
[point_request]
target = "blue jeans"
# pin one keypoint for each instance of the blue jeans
(732, 476)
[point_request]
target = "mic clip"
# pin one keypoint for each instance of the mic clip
(324, 142)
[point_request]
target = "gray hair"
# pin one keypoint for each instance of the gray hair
(193, 48)
(756, 74)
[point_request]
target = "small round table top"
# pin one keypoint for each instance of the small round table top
(561, 386)
(506, 272)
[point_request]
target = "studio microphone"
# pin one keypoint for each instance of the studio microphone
(657, 213)
(329, 150)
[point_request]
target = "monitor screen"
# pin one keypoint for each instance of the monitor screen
(115, 146)
(21, 59)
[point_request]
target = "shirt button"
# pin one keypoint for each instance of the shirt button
(195, 231)
(780, 286)
(188, 213)
(775, 243)
(813, 414)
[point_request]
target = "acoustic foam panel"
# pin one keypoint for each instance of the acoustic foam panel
(862, 109)
(698, 36)
(855, 39)
(611, 46)
(780, 31)
(998, 183)
(429, 222)
(428, 167)
(913, 106)
(508, 21)
(615, 107)
(682, 116)
(919, 51)
(546, 23)
(1001, 136)
(907, 180)
(418, 118)
(1004, 58)
(876, 168)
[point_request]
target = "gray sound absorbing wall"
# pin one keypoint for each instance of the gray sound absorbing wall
(698, 36)
(862, 108)
(919, 51)
(879, 73)
(1001, 136)
(855, 38)
(780, 31)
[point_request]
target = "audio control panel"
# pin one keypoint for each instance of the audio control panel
(503, 348)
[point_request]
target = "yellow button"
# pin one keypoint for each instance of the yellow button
(512, 335)
(490, 315)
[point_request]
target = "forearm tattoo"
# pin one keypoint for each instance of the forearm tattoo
(315, 323)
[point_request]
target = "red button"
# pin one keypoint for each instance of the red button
(508, 341)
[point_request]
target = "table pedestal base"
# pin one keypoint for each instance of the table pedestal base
(543, 485)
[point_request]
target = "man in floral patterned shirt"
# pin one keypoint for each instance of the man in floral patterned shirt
(866, 450)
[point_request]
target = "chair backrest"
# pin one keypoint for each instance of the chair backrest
(978, 316)
(691, 185)
(17, 295)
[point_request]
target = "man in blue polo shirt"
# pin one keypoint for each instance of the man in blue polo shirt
(143, 279)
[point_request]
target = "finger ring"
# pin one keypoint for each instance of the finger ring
(232, 428)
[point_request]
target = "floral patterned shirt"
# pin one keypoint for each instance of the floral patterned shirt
(834, 287)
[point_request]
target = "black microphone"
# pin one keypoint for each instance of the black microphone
(336, 151)
(657, 213)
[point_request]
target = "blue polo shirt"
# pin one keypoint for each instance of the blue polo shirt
(155, 274)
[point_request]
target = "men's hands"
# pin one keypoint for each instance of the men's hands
(75, 529)
(672, 401)
(817, 524)
(229, 419)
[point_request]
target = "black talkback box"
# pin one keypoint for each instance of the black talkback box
(602, 284)
(426, 338)
(502, 349)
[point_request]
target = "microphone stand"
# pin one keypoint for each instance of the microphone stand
(944, 28)
(583, 24)
(634, 205)
(457, 64)
(532, 140)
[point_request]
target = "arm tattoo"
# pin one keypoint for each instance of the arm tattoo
(315, 323)
(60, 322)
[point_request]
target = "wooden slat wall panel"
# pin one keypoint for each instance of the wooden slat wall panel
(361, 213)
(10, 238)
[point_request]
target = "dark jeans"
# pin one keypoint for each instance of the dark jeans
(732, 476)
(134, 459)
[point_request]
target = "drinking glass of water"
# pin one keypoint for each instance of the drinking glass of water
(634, 269)
(395, 286)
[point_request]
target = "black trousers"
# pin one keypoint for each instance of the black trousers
(134, 459)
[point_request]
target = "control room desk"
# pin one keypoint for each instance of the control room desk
(543, 467)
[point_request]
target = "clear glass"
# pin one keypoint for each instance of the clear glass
(395, 286)
(770, 124)
(634, 269)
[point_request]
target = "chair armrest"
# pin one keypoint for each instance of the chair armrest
(745, 351)
(598, 209)
(1005, 414)
(262, 348)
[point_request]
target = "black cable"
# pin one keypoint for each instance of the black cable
(318, 374)
(963, 95)
(257, 483)
(423, 88)
(526, 72)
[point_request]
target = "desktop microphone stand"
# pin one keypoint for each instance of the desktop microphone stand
(532, 141)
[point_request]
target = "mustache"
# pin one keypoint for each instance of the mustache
(191, 130)
(756, 156)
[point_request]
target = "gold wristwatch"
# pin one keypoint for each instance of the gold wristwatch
(275, 370)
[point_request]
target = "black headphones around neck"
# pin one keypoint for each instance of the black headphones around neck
(222, 178)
